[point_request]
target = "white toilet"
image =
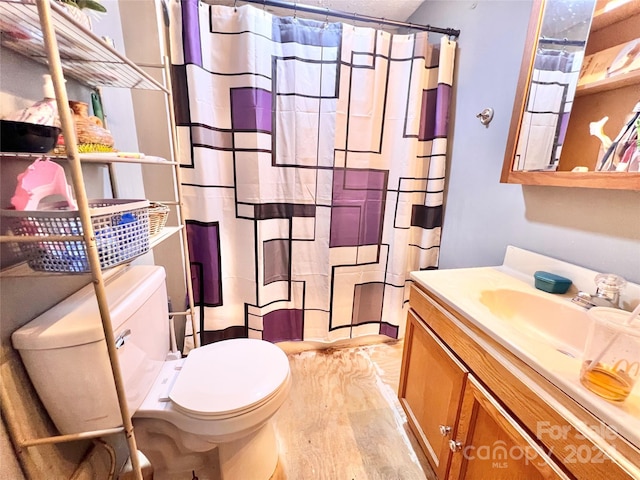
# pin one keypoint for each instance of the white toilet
(209, 413)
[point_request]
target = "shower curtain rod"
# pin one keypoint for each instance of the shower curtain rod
(561, 41)
(352, 16)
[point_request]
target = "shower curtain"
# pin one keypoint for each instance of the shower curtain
(313, 168)
(544, 124)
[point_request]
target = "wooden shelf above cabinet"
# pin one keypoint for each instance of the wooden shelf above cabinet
(604, 17)
(611, 83)
(608, 180)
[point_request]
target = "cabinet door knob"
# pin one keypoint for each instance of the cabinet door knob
(445, 430)
(455, 446)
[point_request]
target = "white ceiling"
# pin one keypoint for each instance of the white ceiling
(399, 10)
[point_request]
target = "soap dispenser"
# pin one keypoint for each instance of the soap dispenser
(44, 112)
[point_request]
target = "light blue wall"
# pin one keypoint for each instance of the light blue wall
(594, 228)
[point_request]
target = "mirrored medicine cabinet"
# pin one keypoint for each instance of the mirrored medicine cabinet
(573, 121)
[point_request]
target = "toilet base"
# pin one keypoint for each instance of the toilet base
(176, 454)
(254, 457)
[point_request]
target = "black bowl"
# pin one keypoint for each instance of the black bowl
(27, 137)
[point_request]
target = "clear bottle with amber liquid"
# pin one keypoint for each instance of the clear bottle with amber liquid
(611, 359)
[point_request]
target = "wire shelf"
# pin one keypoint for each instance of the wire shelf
(84, 56)
(97, 157)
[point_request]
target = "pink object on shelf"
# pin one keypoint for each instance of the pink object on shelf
(41, 179)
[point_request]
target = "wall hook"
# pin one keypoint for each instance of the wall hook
(485, 116)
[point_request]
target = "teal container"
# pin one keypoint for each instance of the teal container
(551, 283)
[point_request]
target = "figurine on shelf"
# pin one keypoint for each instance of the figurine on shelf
(90, 132)
(596, 129)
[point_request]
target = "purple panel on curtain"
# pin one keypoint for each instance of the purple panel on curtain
(389, 330)
(277, 260)
(306, 32)
(345, 226)
(266, 211)
(282, 325)
(363, 180)
(204, 253)
(251, 109)
(428, 115)
(192, 48)
(211, 138)
(180, 94)
(212, 336)
(554, 60)
(564, 122)
(358, 207)
(442, 110)
(367, 303)
(426, 217)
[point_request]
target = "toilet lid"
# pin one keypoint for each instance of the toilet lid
(228, 376)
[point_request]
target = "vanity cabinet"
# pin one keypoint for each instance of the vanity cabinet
(431, 387)
(480, 412)
(489, 443)
(463, 430)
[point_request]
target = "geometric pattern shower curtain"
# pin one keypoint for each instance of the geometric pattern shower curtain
(313, 162)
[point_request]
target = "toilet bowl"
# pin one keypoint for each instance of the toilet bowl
(194, 406)
(209, 413)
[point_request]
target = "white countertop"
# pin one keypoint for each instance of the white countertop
(462, 289)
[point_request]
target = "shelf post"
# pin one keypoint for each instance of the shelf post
(55, 66)
(178, 183)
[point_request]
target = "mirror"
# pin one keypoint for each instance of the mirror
(574, 118)
(552, 85)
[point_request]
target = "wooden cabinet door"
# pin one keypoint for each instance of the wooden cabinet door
(431, 386)
(489, 444)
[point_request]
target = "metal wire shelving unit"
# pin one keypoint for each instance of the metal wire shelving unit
(43, 31)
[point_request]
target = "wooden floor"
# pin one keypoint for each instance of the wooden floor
(343, 420)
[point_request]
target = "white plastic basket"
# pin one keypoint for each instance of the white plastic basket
(121, 228)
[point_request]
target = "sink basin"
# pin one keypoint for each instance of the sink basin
(558, 323)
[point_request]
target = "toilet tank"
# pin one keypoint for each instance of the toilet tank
(66, 357)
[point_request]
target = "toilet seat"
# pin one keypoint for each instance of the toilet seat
(229, 378)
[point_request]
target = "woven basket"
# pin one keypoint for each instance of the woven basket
(158, 214)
